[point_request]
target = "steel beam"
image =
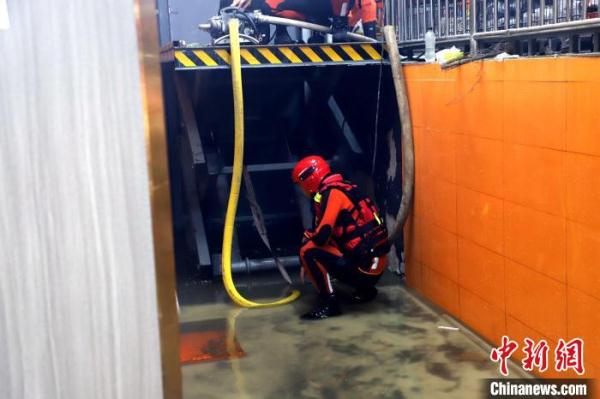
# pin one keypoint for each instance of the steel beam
(193, 161)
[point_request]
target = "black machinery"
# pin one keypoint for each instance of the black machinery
(336, 100)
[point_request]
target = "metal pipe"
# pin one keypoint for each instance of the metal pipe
(398, 15)
(398, 22)
(406, 20)
(446, 23)
(257, 265)
(442, 42)
(560, 27)
(518, 13)
(424, 17)
(529, 9)
(387, 11)
(542, 11)
(418, 20)
(268, 19)
(464, 16)
(431, 15)
(455, 25)
(472, 41)
(439, 32)
(485, 15)
(412, 19)
(495, 14)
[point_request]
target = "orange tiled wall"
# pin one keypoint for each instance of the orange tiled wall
(505, 231)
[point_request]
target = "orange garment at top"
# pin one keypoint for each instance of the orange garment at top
(283, 9)
(356, 10)
(365, 10)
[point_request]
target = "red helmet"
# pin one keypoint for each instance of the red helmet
(309, 172)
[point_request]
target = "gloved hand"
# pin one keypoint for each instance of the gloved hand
(307, 236)
(241, 4)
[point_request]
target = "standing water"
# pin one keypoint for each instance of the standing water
(392, 347)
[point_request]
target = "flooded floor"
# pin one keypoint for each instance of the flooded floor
(390, 348)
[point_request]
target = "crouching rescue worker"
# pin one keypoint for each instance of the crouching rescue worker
(349, 240)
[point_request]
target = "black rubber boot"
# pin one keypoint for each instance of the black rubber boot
(339, 29)
(364, 294)
(327, 306)
(282, 36)
(370, 29)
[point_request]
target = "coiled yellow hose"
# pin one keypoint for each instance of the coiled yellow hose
(238, 162)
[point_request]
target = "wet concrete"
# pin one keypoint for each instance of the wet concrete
(390, 348)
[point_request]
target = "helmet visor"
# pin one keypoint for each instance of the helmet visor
(305, 174)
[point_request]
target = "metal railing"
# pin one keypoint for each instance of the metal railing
(476, 20)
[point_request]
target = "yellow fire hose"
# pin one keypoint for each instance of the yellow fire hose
(238, 162)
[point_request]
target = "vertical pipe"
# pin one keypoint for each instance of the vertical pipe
(404, 19)
(411, 17)
(410, 21)
(485, 16)
(439, 9)
(417, 19)
(398, 21)
(495, 14)
(569, 10)
(394, 11)
(417, 22)
(464, 16)
(518, 13)
(447, 19)
(473, 42)
(397, 16)
(529, 10)
(555, 11)
(424, 17)
(387, 12)
(542, 11)
(431, 14)
(455, 24)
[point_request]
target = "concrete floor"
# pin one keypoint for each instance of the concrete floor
(390, 348)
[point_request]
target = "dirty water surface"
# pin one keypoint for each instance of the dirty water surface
(390, 348)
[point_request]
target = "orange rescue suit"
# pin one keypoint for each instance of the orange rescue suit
(335, 246)
(318, 9)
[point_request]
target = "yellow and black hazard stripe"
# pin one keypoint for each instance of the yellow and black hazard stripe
(215, 57)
